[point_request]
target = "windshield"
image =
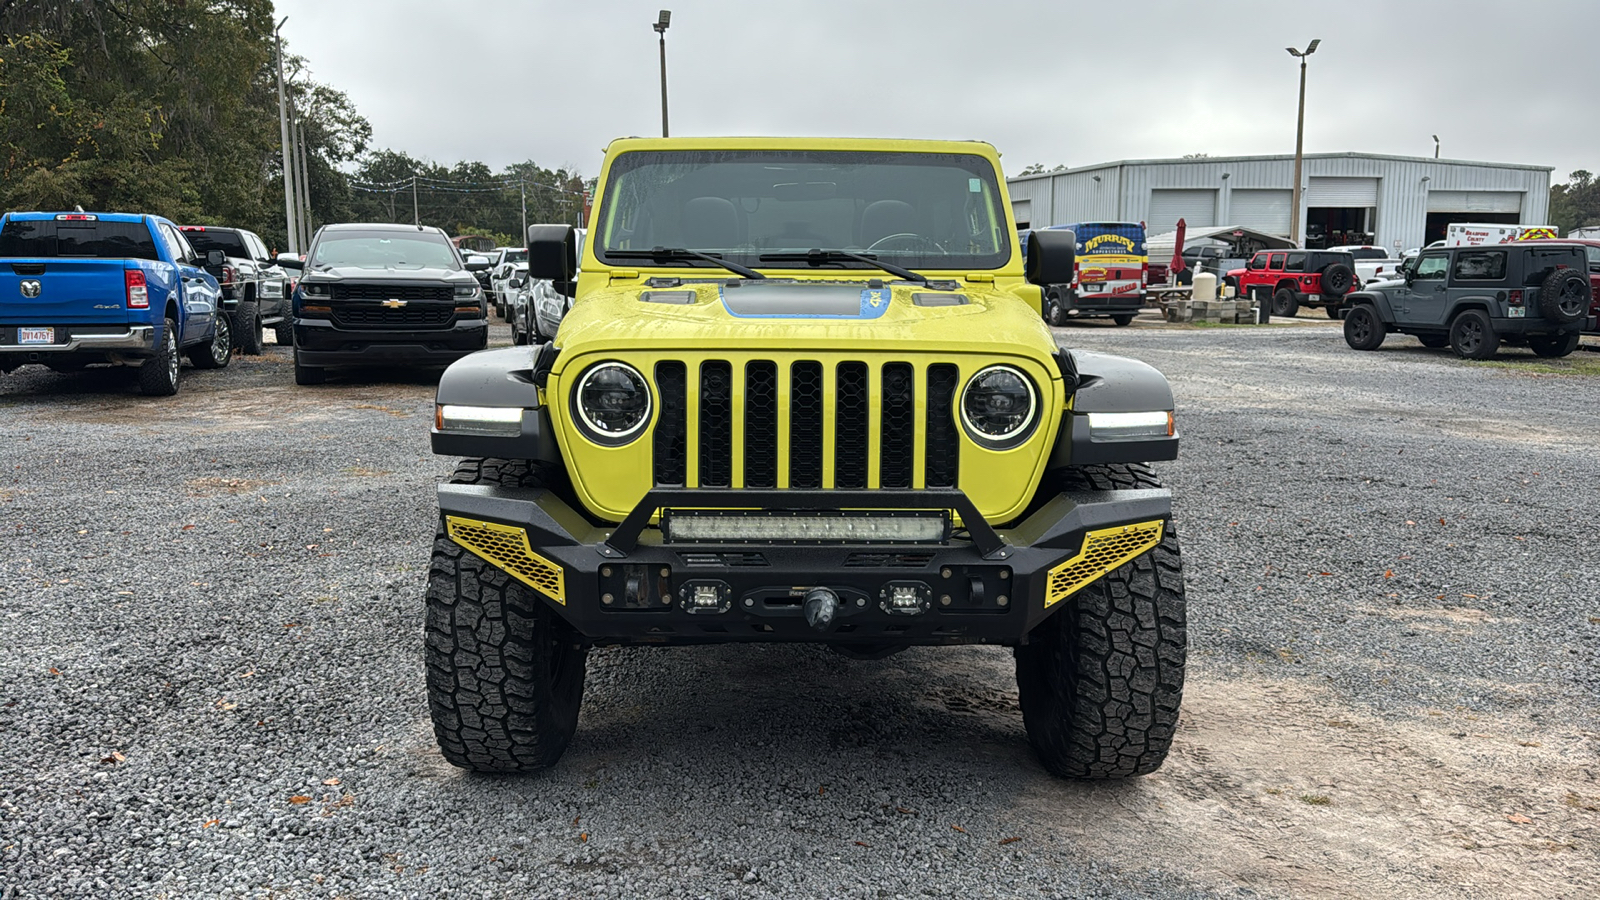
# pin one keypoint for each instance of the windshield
(1370, 253)
(515, 256)
(388, 250)
(940, 210)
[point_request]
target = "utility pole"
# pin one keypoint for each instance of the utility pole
(660, 26)
(303, 182)
(415, 219)
(288, 160)
(1299, 138)
(524, 186)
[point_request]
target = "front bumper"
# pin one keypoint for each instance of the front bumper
(134, 341)
(318, 342)
(625, 585)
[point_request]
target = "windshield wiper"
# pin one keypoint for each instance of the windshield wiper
(664, 254)
(819, 257)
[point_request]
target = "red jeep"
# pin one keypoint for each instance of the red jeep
(1591, 325)
(1296, 278)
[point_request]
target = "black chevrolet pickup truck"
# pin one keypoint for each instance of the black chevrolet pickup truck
(384, 295)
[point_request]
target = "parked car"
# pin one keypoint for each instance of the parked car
(541, 307)
(722, 446)
(253, 286)
(1372, 263)
(77, 289)
(500, 276)
(1472, 298)
(1290, 279)
(384, 295)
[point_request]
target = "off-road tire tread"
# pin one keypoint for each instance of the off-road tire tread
(494, 704)
(153, 372)
(247, 328)
(284, 332)
(1550, 296)
(1128, 670)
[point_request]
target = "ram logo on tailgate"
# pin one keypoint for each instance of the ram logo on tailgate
(31, 288)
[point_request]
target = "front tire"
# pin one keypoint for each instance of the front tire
(505, 674)
(1052, 311)
(1123, 319)
(247, 328)
(1472, 335)
(1362, 330)
(1101, 681)
(217, 352)
(283, 332)
(309, 375)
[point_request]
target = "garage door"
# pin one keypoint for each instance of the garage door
(1358, 192)
(1198, 209)
(1475, 201)
(1261, 210)
(1022, 211)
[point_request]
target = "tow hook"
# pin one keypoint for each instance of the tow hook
(820, 606)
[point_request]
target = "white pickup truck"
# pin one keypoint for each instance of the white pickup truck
(1373, 263)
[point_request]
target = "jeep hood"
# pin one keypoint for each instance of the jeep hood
(807, 314)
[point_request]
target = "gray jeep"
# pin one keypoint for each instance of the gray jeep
(1472, 298)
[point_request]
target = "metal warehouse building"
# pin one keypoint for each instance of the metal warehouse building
(1396, 201)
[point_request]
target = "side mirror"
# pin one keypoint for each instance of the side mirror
(1051, 255)
(519, 282)
(475, 265)
(553, 256)
(289, 262)
(215, 257)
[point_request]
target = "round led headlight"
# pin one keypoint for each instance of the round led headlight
(612, 403)
(999, 407)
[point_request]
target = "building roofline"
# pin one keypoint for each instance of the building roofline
(1284, 157)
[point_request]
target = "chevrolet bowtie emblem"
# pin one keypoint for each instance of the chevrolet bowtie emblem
(394, 304)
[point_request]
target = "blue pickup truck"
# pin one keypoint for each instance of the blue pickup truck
(80, 288)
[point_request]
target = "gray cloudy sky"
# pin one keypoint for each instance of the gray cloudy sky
(1051, 82)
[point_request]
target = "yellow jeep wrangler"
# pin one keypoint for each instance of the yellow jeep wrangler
(804, 394)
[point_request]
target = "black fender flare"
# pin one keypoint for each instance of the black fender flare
(502, 377)
(1112, 384)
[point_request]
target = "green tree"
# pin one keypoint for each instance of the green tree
(1576, 203)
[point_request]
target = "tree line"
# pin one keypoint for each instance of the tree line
(172, 108)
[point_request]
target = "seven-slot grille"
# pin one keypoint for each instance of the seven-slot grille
(806, 424)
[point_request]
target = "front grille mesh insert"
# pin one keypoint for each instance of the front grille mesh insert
(1103, 551)
(842, 426)
(507, 547)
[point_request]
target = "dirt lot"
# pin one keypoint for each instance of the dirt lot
(213, 687)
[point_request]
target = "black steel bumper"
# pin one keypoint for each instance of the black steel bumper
(1533, 325)
(624, 584)
(318, 342)
(1076, 303)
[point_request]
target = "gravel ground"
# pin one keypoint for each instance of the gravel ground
(212, 687)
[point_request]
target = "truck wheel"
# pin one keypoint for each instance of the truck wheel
(1564, 296)
(247, 328)
(1052, 310)
(304, 374)
(1124, 319)
(283, 333)
(1332, 309)
(505, 674)
(158, 375)
(1362, 330)
(1434, 341)
(1554, 347)
(1285, 303)
(217, 352)
(1100, 682)
(1472, 335)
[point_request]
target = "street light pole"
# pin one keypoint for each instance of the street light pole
(1299, 138)
(288, 159)
(415, 219)
(1436, 146)
(660, 26)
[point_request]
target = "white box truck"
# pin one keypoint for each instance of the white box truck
(1465, 234)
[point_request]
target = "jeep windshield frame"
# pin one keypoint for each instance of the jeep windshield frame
(916, 210)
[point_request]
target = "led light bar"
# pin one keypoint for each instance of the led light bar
(502, 421)
(1130, 426)
(744, 527)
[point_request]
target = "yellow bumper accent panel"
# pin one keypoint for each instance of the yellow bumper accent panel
(506, 546)
(1103, 551)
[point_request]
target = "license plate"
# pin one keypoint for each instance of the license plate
(36, 335)
(1517, 312)
(1314, 298)
(1093, 288)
